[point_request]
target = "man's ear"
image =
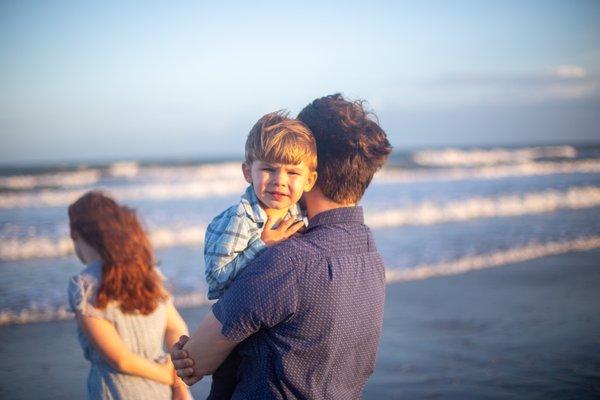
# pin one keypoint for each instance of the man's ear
(310, 181)
(247, 170)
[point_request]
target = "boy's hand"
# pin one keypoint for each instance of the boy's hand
(285, 230)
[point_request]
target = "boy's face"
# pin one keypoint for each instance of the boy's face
(279, 186)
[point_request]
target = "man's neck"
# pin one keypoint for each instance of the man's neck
(316, 202)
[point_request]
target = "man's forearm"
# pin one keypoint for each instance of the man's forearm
(208, 347)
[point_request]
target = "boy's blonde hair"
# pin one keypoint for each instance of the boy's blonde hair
(276, 138)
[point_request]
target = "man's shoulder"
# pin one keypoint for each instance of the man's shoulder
(296, 251)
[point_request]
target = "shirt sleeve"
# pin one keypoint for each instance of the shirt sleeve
(82, 292)
(229, 246)
(263, 295)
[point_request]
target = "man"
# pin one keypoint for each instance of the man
(309, 310)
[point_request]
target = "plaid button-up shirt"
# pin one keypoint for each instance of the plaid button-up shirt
(232, 240)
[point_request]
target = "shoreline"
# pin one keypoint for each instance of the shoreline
(526, 330)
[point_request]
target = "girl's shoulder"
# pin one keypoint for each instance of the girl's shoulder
(83, 288)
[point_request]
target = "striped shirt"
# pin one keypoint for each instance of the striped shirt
(232, 240)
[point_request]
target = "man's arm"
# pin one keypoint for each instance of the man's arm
(262, 296)
(203, 352)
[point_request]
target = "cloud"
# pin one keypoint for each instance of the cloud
(569, 71)
(563, 82)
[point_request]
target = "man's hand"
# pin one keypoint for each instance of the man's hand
(271, 236)
(184, 365)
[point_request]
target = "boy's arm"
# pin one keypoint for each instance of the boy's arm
(230, 245)
(228, 250)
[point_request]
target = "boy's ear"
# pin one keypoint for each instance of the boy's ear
(310, 181)
(247, 170)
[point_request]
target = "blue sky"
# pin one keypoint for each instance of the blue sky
(123, 80)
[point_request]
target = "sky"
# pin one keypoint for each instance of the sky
(117, 80)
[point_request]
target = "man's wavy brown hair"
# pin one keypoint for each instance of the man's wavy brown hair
(129, 276)
(351, 146)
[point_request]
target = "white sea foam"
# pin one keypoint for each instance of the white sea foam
(429, 213)
(394, 176)
(63, 179)
(490, 260)
(474, 157)
(196, 189)
(38, 314)
(124, 169)
(183, 236)
(205, 172)
(393, 275)
(220, 180)
(44, 247)
(426, 213)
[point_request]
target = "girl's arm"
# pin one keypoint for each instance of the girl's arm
(106, 339)
(176, 327)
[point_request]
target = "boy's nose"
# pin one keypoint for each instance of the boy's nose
(280, 178)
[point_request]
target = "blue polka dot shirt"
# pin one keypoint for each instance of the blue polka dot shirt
(309, 312)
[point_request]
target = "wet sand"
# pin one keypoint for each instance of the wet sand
(529, 330)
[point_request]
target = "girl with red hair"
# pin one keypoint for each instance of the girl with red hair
(124, 314)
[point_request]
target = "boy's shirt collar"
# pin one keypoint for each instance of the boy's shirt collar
(256, 213)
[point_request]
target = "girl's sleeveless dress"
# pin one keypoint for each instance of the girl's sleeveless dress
(143, 335)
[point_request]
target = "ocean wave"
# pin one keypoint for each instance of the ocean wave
(30, 248)
(476, 157)
(222, 180)
(490, 260)
(509, 256)
(84, 177)
(159, 191)
(129, 170)
(426, 213)
(215, 171)
(395, 176)
(124, 169)
(429, 213)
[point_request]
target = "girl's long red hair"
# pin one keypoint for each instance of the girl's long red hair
(129, 276)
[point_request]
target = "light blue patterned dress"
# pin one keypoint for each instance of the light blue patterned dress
(143, 335)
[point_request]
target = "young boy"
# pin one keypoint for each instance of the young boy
(280, 165)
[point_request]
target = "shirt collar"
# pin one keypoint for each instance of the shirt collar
(256, 213)
(252, 206)
(340, 215)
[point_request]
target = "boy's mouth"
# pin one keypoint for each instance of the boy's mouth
(277, 195)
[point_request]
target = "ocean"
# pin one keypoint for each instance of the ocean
(433, 212)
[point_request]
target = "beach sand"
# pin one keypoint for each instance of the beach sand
(529, 330)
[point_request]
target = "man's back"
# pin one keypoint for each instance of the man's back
(316, 304)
